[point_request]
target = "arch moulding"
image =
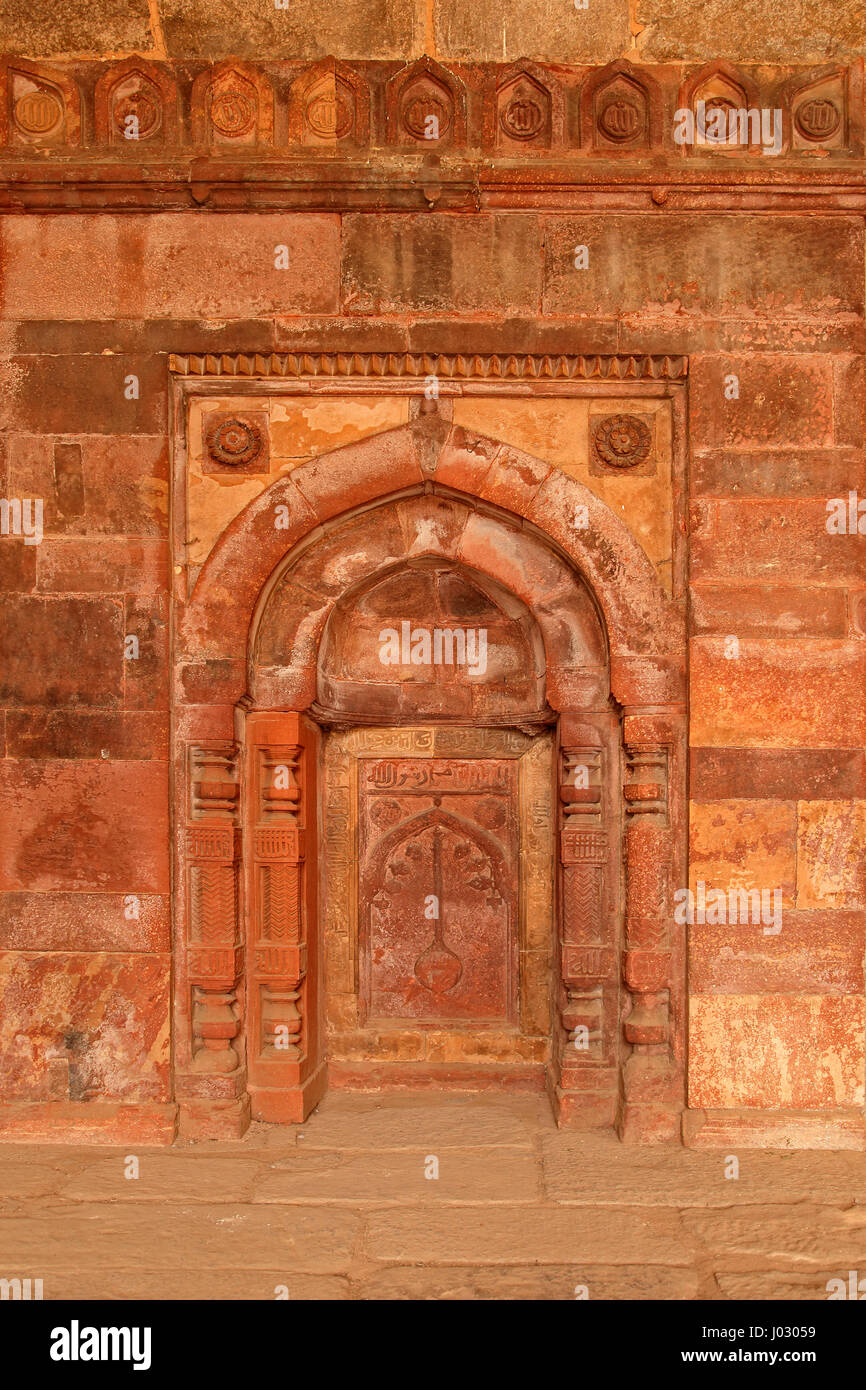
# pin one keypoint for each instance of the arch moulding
(248, 733)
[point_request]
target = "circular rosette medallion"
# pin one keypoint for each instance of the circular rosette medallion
(329, 116)
(417, 116)
(38, 113)
(522, 118)
(143, 108)
(232, 112)
(818, 119)
(234, 442)
(620, 120)
(622, 441)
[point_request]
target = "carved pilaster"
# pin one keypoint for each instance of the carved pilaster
(279, 957)
(650, 1079)
(587, 928)
(214, 963)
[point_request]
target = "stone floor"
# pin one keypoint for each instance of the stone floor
(342, 1209)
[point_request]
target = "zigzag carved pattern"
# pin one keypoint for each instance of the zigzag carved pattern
(281, 916)
(582, 918)
(214, 903)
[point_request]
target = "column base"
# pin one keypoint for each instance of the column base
(289, 1105)
(213, 1119)
(651, 1124)
(582, 1110)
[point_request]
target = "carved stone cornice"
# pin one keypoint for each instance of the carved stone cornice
(367, 135)
(447, 367)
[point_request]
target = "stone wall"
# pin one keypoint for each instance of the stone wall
(763, 295)
(759, 31)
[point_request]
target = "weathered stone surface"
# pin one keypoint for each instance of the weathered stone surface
(779, 694)
(783, 1286)
(744, 844)
(744, 540)
(83, 1237)
(527, 1236)
(808, 774)
(803, 1052)
(821, 952)
(58, 921)
(389, 1178)
(759, 610)
(169, 266)
(114, 565)
(131, 735)
(438, 263)
(66, 651)
(85, 394)
(542, 1284)
(796, 473)
(587, 1170)
(831, 854)
(694, 265)
(763, 31)
(799, 1239)
(100, 28)
(90, 826)
(74, 1027)
(207, 1220)
(174, 1177)
(402, 1122)
(125, 487)
(371, 29)
(784, 401)
(195, 1283)
(535, 30)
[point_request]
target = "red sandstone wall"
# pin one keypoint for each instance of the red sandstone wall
(778, 774)
(764, 287)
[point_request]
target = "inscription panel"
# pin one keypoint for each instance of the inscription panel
(438, 888)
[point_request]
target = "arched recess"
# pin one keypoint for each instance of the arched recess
(248, 680)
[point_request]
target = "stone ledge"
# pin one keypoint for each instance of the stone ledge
(25, 1122)
(761, 1129)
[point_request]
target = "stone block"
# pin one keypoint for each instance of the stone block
(774, 541)
(60, 651)
(764, 610)
(704, 267)
(744, 844)
(62, 921)
(441, 263)
(779, 694)
(85, 826)
(84, 1027)
(514, 30)
(765, 32)
(807, 774)
(782, 401)
(831, 854)
(798, 1052)
(177, 265)
(818, 952)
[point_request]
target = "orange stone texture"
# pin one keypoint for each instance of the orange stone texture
(433, 568)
